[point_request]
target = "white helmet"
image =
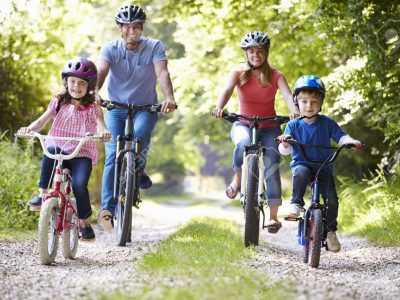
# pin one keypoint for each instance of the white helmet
(255, 38)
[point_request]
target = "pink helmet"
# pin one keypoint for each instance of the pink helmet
(82, 68)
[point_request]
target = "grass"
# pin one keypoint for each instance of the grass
(371, 208)
(19, 235)
(203, 261)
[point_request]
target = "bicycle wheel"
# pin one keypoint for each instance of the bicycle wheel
(70, 234)
(123, 211)
(315, 237)
(252, 211)
(48, 234)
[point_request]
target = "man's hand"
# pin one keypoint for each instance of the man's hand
(167, 106)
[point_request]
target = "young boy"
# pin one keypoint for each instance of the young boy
(316, 129)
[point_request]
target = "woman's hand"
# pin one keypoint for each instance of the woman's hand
(218, 112)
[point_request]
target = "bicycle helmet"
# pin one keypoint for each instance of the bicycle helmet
(130, 14)
(82, 68)
(255, 38)
(309, 83)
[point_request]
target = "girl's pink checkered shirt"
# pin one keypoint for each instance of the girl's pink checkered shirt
(73, 121)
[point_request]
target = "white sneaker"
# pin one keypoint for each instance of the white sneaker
(333, 242)
(294, 211)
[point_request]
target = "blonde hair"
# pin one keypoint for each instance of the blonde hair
(265, 75)
(312, 93)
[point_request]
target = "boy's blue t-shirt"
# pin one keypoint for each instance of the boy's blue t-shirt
(318, 133)
(132, 78)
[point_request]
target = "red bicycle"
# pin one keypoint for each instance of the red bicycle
(58, 214)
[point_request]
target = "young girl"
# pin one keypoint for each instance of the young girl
(75, 113)
(257, 83)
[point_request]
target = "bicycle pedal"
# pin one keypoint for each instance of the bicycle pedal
(292, 219)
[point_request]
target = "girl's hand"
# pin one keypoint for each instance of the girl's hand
(283, 138)
(218, 112)
(24, 130)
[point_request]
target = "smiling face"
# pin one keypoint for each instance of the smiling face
(131, 34)
(256, 55)
(77, 87)
(309, 103)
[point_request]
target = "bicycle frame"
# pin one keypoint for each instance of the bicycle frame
(132, 144)
(255, 148)
(58, 214)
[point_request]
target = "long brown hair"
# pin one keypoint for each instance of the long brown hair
(65, 98)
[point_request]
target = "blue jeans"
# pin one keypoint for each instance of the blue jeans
(143, 125)
(302, 177)
(81, 168)
(241, 136)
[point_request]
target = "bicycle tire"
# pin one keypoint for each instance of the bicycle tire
(315, 237)
(70, 234)
(125, 199)
(252, 211)
(48, 234)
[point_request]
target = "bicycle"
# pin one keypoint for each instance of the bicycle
(313, 228)
(58, 213)
(252, 192)
(126, 189)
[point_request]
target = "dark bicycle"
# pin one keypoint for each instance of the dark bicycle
(313, 229)
(126, 188)
(252, 194)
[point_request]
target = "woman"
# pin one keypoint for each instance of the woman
(257, 83)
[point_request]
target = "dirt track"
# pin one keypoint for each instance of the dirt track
(359, 271)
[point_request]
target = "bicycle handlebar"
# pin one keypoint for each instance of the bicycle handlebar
(232, 117)
(328, 161)
(58, 156)
(110, 105)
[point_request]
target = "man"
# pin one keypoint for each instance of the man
(133, 64)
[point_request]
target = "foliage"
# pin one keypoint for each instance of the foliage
(366, 32)
(371, 208)
(19, 174)
(182, 264)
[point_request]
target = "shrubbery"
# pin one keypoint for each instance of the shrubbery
(19, 173)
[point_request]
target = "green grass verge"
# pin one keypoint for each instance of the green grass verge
(203, 261)
(10, 235)
(371, 209)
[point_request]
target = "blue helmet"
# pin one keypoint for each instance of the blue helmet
(309, 83)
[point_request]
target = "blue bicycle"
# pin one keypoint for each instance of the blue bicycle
(313, 229)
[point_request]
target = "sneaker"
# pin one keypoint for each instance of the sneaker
(145, 181)
(87, 233)
(333, 242)
(37, 201)
(105, 219)
(294, 211)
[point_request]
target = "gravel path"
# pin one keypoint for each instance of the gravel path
(359, 271)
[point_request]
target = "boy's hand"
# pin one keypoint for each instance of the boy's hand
(283, 138)
(356, 142)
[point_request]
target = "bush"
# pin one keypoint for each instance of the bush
(19, 173)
